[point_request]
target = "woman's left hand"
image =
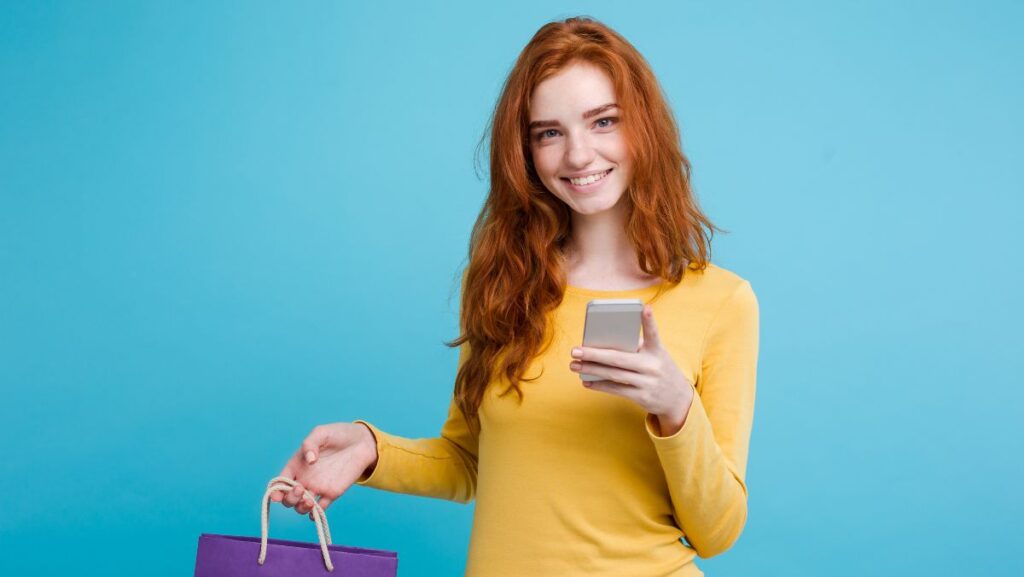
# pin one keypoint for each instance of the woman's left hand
(648, 377)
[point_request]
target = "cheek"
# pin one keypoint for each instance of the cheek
(625, 163)
(618, 151)
(546, 162)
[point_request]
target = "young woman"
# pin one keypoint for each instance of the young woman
(635, 474)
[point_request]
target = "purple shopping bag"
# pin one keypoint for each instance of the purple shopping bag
(232, 556)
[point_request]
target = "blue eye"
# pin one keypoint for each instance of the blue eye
(611, 120)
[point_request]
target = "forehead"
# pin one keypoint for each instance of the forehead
(570, 92)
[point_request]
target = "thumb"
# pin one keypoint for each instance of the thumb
(311, 446)
(651, 340)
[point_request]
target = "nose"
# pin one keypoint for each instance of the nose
(579, 153)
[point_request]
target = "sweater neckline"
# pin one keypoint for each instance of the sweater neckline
(649, 290)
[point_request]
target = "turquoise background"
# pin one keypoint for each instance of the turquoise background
(224, 223)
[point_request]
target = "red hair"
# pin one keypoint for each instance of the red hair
(515, 274)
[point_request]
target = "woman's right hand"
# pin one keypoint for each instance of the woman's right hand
(329, 461)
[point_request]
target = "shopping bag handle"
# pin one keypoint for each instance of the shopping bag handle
(323, 530)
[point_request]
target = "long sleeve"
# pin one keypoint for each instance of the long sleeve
(705, 461)
(444, 467)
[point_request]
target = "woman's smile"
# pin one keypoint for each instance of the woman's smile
(587, 184)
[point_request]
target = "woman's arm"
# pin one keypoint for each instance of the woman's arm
(443, 467)
(705, 461)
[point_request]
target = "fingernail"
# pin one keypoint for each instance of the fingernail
(577, 352)
(574, 366)
(310, 456)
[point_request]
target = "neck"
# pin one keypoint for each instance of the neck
(598, 242)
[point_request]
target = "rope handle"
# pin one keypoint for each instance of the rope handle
(323, 530)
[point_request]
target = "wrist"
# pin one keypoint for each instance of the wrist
(369, 444)
(671, 423)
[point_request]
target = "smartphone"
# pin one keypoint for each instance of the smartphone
(612, 324)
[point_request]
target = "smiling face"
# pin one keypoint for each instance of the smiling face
(578, 148)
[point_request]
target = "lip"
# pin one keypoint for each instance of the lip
(588, 187)
(585, 174)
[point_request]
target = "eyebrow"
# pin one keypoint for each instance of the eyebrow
(587, 114)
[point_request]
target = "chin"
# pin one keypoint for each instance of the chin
(596, 205)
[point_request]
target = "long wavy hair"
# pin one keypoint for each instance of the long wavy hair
(516, 272)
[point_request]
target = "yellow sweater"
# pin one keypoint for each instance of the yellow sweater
(579, 482)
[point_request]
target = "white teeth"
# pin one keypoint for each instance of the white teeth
(589, 179)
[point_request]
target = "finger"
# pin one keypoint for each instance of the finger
(304, 506)
(289, 499)
(606, 372)
(316, 439)
(651, 339)
(611, 387)
(277, 496)
(623, 360)
(306, 503)
(287, 472)
(293, 497)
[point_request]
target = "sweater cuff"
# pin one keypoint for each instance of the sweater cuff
(696, 424)
(382, 451)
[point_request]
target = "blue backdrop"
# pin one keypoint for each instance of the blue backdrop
(224, 223)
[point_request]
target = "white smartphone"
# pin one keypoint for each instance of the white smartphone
(612, 324)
